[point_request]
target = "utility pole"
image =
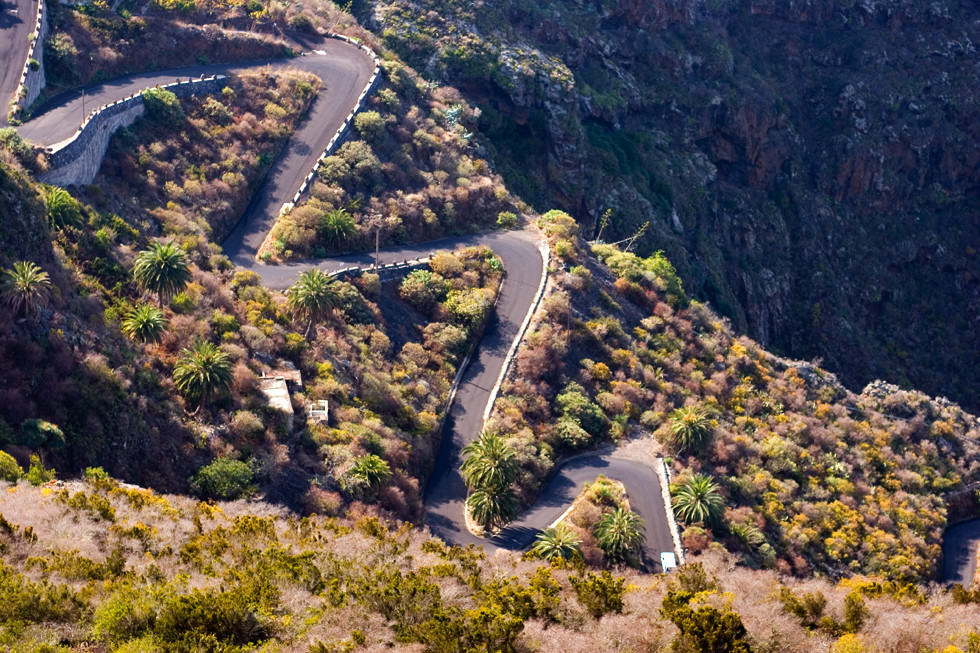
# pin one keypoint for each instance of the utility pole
(377, 246)
(83, 105)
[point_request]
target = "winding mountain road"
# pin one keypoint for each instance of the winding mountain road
(960, 545)
(345, 70)
(16, 24)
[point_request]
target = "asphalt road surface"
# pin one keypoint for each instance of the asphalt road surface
(16, 24)
(345, 70)
(960, 544)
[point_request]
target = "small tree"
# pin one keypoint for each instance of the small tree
(225, 478)
(492, 505)
(698, 500)
(371, 469)
(37, 433)
(202, 371)
(489, 462)
(690, 429)
(25, 288)
(162, 269)
(336, 227)
(557, 542)
(313, 296)
(619, 534)
(145, 323)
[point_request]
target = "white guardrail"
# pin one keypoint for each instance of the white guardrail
(57, 147)
(20, 95)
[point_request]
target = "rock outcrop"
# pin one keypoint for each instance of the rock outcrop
(810, 166)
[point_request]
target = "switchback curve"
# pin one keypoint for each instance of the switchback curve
(345, 70)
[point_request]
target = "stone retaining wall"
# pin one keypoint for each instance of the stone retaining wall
(32, 80)
(77, 160)
(385, 272)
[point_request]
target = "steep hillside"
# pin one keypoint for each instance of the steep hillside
(808, 166)
(809, 478)
(97, 566)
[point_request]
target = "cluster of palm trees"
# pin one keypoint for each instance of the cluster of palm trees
(619, 534)
(489, 469)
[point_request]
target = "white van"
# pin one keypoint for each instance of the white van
(668, 561)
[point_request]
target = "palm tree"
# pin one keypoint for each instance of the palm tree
(335, 227)
(313, 296)
(491, 506)
(162, 269)
(489, 463)
(202, 370)
(690, 428)
(557, 542)
(698, 500)
(145, 323)
(63, 210)
(372, 469)
(25, 288)
(619, 534)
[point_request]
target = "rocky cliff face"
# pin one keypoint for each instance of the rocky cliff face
(811, 166)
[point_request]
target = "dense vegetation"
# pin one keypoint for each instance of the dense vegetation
(813, 189)
(104, 566)
(129, 331)
(809, 510)
(195, 163)
(411, 171)
(772, 459)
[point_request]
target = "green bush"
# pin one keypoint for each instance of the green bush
(206, 616)
(600, 594)
(247, 425)
(163, 106)
(423, 290)
(371, 126)
(37, 474)
(574, 404)
(506, 220)
(10, 471)
(225, 478)
(37, 433)
(28, 602)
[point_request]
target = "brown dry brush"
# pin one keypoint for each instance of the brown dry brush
(329, 581)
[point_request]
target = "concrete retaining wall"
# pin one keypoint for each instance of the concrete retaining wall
(32, 81)
(77, 160)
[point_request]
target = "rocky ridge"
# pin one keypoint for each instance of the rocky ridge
(810, 166)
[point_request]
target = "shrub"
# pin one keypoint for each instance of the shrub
(574, 404)
(162, 106)
(468, 308)
(225, 478)
(600, 594)
(423, 290)
(247, 425)
(506, 220)
(37, 474)
(10, 471)
(302, 23)
(37, 433)
(371, 126)
(201, 616)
